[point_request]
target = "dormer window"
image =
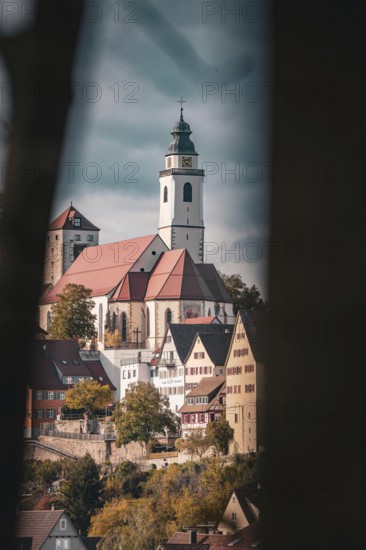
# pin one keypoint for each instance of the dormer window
(77, 222)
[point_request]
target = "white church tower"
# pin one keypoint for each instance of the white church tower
(181, 205)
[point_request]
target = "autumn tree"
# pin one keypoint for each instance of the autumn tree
(126, 480)
(88, 396)
(243, 296)
(71, 316)
(219, 434)
(80, 491)
(195, 444)
(142, 414)
(112, 339)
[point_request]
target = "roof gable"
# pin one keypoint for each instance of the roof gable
(183, 335)
(66, 221)
(216, 344)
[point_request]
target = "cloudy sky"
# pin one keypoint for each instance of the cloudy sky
(134, 61)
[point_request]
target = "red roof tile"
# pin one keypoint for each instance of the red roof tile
(201, 320)
(132, 287)
(175, 276)
(101, 267)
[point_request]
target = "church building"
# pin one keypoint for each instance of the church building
(142, 284)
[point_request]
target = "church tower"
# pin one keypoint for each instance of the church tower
(181, 208)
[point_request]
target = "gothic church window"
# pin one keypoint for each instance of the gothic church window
(124, 327)
(100, 321)
(168, 316)
(148, 323)
(187, 192)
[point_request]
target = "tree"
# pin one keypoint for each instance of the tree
(219, 434)
(143, 413)
(126, 480)
(243, 297)
(195, 444)
(80, 491)
(88, 396)
(71, 316)
(112, 339)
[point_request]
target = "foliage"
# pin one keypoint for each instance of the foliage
(112, 339)
(80, 491)
(71, 316)
(126, 480)
(243, 297)
(88, 396)
(219, 434)
(142, 413)
(195, 444)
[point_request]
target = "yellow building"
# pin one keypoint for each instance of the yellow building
(245, 381)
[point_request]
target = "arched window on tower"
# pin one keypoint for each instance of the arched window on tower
(209, 312)
(48, 320)
(114, 322)
(165, 194)
(168, 316)
(187, 192)
(147, 323)
(124, 327)
(100, 322)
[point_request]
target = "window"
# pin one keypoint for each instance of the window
(77, 222)
(165, 194)
(50, 395)
(69, 380)
(77, 238)
(148, 323)
(187, 192)
(202, 418)
(185, 419)
(56, 237)
(168, 316)
(124, 327)
(100, 322)
(134, 373)
(209, 312)
(63, 525)
(39, 395)
(61, 396)
(193, 418)
(90, 238)
(50, 413)
(63, 544)
(236, 420)
(168, 339)
(39, 413)
(233, 516)
(217, 308)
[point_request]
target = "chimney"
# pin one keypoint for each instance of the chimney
(192, 536)
(53, 507)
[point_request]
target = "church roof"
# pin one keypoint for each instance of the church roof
(176, 276)
(214, 282)
(66, 221)
(132, 288)
(101, 268)
(181, 144)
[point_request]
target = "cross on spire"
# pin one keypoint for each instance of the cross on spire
(181, 101)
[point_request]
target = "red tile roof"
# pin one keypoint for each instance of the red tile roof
(37, 524)
(201, 320)
(63, 221)
(102, 267)
(175, 276)
(132, 288)
(242, 540)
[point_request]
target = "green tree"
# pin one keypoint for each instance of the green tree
(195, 444)
(80, 491)
(243, 296)
(126, 480)
(71, 316)
(143, 413)
(219, 434)
(88, 396)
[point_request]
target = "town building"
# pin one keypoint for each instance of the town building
(178, 339)
(50, 530)
(207, 356)
(58, 366)
(67, 237)
(204, 404)
(245, 381)
(239, 513)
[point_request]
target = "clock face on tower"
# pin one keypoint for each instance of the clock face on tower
(187, 162)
